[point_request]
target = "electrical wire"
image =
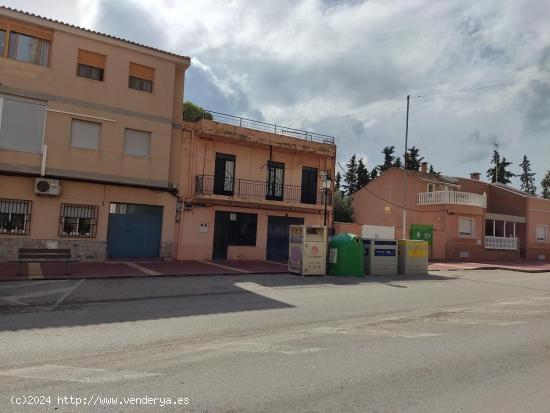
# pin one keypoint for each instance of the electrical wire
(473, 89)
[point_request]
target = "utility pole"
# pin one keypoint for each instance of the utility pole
(405, 172)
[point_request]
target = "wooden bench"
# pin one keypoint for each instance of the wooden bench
(44, 255)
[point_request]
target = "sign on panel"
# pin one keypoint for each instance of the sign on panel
(378, 232)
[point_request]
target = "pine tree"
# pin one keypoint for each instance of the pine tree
(363, 176)
(343, 210)
(413, 159)
(397, 163)
(527, 177)
(492, 173)
(338, 181)
(504, 176)
(351, 176)
(432, 170)
(374, 173)
(389, 159)
(546, 185)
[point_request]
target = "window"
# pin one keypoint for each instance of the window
(15, 216)
(85, 135)
(489, 227)
(21, 124)
(224, 174)
(309, 185)
(542, 233)
(431, 187)
(137, 143)
(91, 65)
(2, 42)
(141, 77)
(28, 49)
(78, 221)
(465, 227)
(275, 180)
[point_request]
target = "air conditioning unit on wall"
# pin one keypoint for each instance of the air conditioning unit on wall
(50, 187)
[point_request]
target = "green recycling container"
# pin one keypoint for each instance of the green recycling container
(346, 256)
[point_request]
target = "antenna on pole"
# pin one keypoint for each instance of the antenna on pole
(405, 172)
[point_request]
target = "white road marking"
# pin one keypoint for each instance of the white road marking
(64, 296)
(78, 374)
(264, 348)
(19, 298)
(226, 267)
(474, 322)
(41, 293)
(12, 300)
(515, 303)
(141, 268)
(512, 312)
(371, 332)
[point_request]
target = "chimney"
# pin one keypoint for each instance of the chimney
(474, 176)
(424, 167)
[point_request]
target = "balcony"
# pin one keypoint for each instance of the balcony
(259, 126)
(501, 243)
(452, 197)
(244, 189)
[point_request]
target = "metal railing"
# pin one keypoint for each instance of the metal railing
(452, 197)
(501, 243)
(261, 126)
(244, 188)
(78, 221)
(15, 216)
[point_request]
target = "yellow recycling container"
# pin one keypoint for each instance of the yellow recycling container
(413, 257)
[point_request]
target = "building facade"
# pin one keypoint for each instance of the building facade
(242, 183)
(462, 218)
(87, 125)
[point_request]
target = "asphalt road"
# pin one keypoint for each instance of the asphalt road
(451, 342)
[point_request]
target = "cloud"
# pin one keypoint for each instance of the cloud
(344, 67)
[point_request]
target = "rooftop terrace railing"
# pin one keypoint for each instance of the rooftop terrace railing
(260, 126)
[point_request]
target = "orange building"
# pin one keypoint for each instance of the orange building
(95, 156)
(87, 122)
(464, 218)
(243, 182)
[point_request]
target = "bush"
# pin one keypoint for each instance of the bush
(194, 113)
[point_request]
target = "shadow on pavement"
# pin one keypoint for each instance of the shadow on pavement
(67, 303)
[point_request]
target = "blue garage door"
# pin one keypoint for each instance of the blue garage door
(134, 231)
(278, 229)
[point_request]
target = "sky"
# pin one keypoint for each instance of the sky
(478, 72)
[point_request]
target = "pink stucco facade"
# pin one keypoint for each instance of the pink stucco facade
(470, 219)
(202, 143)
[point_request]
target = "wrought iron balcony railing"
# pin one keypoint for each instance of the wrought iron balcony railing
(257, 190)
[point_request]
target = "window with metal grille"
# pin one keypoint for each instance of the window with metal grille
(78, 221)
(15, 216)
